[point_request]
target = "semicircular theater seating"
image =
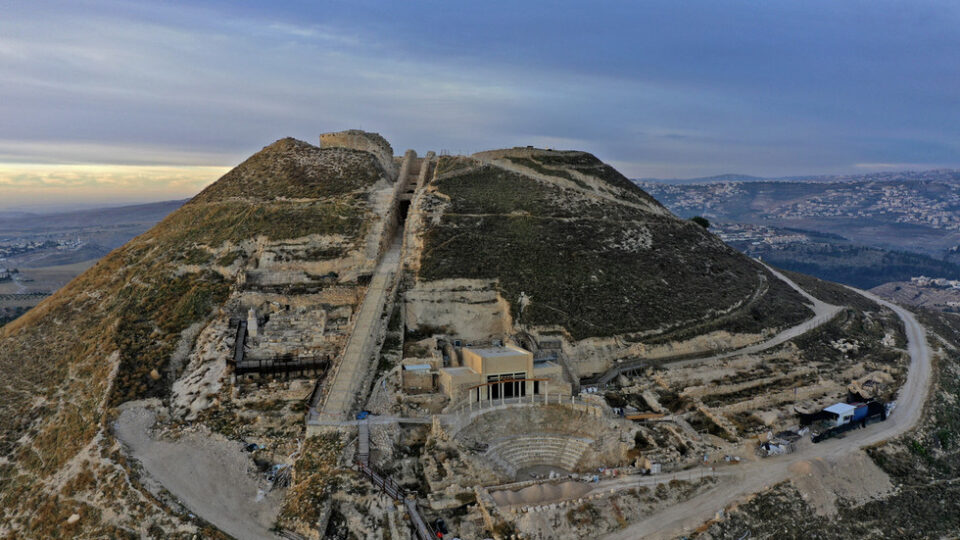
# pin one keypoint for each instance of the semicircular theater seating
(521, 451)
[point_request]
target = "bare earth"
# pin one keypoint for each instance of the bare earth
(210, 475)
(753, 477)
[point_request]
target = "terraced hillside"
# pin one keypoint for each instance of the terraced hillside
(126, 330)
(906, 487)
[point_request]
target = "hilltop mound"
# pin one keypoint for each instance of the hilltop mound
(294, 169)
(588, 251)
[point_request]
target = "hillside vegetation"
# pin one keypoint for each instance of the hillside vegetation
(862, 267)
(598, 258)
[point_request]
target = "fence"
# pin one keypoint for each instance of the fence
(282, 365)
(393, 490)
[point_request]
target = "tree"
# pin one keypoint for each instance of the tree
(701, 221)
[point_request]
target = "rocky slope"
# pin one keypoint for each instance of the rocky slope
(922, 467)
(125, 330)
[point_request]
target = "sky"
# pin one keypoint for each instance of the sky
(116, 101)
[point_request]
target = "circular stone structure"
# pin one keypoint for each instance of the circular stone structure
(538, 439)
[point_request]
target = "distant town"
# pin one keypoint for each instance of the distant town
(16, 246)
(929, 199)
(760, 235)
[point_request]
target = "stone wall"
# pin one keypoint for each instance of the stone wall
(417, 381)
(416, 217)
(365, 141)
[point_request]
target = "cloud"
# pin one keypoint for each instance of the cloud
(898, 166)
(81, 153)
(660, 88)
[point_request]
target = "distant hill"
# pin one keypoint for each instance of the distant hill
(907, 211)
(862, 267)
(98, 217)
(935, 174)
(831, 256)
(705, 179)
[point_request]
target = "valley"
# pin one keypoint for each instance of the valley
(40, 253)
(863, 231)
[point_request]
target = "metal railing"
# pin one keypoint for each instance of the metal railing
(393, 490)
(469, 406)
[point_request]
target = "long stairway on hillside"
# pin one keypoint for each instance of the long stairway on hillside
(336, 403)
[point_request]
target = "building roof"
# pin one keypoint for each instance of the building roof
(459, 369)
(489, 352)
(840, 409)
(416, 367)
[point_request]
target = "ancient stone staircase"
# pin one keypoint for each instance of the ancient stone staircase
(347, 381)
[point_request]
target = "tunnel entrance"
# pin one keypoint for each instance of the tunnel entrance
(402, 212)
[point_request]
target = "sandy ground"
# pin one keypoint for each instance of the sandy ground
(213, 477)
(685, 517)
(854, 477)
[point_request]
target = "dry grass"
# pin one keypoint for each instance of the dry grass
(95, 343)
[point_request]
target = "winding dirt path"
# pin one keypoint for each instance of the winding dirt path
(755, 476)
(822, 313)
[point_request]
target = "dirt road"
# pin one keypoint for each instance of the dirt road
(752, 477)
(822, 313)
(209, 475)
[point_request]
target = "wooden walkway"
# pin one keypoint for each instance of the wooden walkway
(388, 485)
(424, 532)
(363, 443)
(393, 490)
